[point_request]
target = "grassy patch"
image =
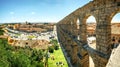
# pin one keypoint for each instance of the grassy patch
(17, 34)
(30, 36)
(58, 57)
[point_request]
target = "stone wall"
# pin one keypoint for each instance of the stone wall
(103, 11)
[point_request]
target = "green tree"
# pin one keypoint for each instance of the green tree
(20, 57)
(1, 32)
(4, 63)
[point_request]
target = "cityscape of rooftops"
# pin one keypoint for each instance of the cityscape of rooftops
(59, 33)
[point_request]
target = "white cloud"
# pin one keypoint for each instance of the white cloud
(33, 13)
(11, 12)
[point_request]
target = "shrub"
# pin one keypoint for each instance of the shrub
(51, 49)
(56, 47)
(55, 44)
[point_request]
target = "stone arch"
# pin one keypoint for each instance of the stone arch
(71, 22)
(86, 16)
(93, 43)
(112, 14)
(78, 23)
(73, 26)
(91, 25)
(84, 21)
(114, 37)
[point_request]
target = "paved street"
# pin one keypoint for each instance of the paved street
(17, 35)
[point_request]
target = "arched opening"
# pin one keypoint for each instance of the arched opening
(78, 23)
(91, 36)
(115, 30)
(72, 30)
(71, 27)
(78, 28)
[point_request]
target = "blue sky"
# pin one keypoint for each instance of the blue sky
(37, 10)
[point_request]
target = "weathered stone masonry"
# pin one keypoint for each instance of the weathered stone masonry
(77, 49)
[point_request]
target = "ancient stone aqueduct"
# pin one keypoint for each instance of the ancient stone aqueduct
(78, 49)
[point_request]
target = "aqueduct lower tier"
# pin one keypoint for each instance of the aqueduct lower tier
(78, 49)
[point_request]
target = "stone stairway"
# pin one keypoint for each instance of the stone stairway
(114, 60)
